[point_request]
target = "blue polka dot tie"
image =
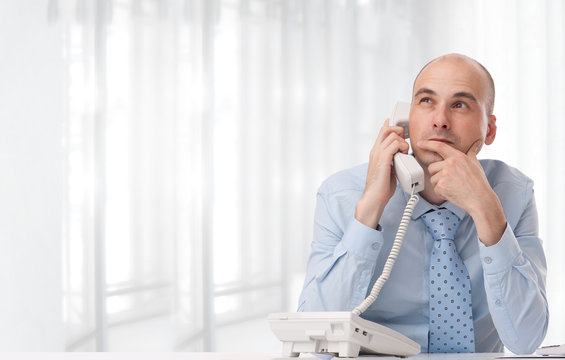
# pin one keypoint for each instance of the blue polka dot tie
(451, 315)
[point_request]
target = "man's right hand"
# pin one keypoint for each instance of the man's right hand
(381, 182)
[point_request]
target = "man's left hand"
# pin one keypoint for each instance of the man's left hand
(460, 178)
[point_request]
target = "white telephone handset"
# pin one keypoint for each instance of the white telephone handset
(408, 172)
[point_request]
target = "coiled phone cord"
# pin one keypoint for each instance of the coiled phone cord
(391, 257)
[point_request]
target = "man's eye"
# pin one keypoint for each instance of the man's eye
(460, 105)
(425, 100)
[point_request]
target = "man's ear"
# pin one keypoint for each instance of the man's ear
(491, 130)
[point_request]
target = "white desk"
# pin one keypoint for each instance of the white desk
(218, 356)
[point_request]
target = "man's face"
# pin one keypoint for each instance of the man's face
(448, 105)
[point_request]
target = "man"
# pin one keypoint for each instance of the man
(490, 290)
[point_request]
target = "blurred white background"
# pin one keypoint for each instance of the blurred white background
(161, 158)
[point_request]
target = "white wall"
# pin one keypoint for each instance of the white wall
(31, 181)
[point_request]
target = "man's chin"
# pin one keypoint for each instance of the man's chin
(428, 159)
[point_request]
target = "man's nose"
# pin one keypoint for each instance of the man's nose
(441, 117)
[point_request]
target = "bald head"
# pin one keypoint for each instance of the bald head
(486, 78)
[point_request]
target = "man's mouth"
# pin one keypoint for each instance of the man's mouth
(446, 141)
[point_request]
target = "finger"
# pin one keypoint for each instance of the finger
(398, 130)
(437, 183)
(439, 147)
(383, 131)
(381, 144)
(399, 145)
(386, 130)
(435, 167)
(393, 137)
(475, 147)
(380, 136)
(383, 128)
(434, 179)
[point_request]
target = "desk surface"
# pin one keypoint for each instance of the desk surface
(219, 356)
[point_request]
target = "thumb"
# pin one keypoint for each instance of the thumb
(475, 147)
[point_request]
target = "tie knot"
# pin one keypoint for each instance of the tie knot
(441, 223)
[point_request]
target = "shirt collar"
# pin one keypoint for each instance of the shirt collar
(423, 207)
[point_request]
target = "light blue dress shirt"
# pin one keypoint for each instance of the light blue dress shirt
(508, 279)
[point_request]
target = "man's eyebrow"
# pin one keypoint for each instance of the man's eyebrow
(461, 94)
(424, 91)
(464, 94)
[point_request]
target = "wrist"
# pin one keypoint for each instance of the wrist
(489, 220)
(368, 212)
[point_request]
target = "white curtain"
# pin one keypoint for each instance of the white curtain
(196, 132)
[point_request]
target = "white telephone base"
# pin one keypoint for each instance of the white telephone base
(340, 333)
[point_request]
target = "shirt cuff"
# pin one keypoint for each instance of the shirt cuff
(362, 240)
(500, 256)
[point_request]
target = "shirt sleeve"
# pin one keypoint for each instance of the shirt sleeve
(514, 271)
(341, 262)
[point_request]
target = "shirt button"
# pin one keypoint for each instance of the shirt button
(488, 260)
(376, 246)
(498, 302)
